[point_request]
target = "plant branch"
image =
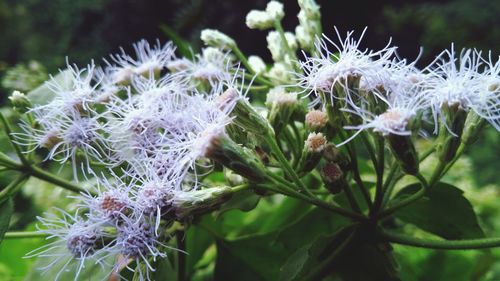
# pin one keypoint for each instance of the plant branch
(471, 244)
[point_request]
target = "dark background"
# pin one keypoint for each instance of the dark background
(48, 31)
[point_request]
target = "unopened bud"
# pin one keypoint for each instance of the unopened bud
(201, 201)
(315, 142)
(474, 124)
(241, 160)
(311, 154)
(404, 151)
(275, 10)
(20, 102)
(259, 20)
(245, 115)
(280, 105)
(257, 64)
(316, 120)
(450, 131)
(217, 39)
(310, 8)
(333, 177)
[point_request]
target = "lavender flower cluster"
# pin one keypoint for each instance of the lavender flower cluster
(152, 119)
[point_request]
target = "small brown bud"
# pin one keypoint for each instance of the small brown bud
(316, 120)
(315, 142)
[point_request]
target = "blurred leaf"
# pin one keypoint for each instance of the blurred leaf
(197, 242)
(443, 211)
(245, 200)
(311, 257)
(6, 209)
(260, 257)
(163, 270)
(43, 94)
(182, 46)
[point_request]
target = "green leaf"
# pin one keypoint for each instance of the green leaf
(245, 201)
(163, 270)
(197, 242)
(311, 257)
(183, 46)
(6, 209)
(443, 211)
(260, 257)
(253, 258)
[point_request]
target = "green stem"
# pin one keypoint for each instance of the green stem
(8, 162)
(471, 244)
(271, 141)
(8, 132)
(293, 56)
(24, 234)
(12, 188)
(407, 201)
(41, 174)
(379, 168)
(351, 150)
(239, 54)
(438, 171)
(350, 198)
(459, 152)
(286, 190)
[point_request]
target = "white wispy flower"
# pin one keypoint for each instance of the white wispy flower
(486, 100)
(137, 241)
(73, 92)
(148, 59)
(336, 67)
(77, 243)
(402, 109)
(452, 81)
(212, 66)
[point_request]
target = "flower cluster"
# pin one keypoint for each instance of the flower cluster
(153, 122)
(157, 123)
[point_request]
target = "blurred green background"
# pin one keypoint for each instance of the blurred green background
(37, 36)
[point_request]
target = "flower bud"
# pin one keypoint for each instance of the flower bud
(450, 131)
(316, 120)
(280, 73)
(474, 124)
(257, 64)
(245, 116)
(217, 39)
(20, 102)
(310, 8)
(404, 151)
(332, 154)
(195, 202)
(275, 10)
(281, 106)
(311, 154)
(333, 177)
(241, 160)
(259, 20)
